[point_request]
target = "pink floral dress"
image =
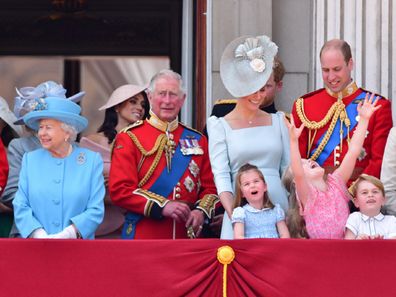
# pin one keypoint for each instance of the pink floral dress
(326, 213)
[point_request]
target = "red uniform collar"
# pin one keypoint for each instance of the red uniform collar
(349, 90)
(162, 125)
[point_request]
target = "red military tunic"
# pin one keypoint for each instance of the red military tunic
(132, 175)
(3, 167)
(315, 107)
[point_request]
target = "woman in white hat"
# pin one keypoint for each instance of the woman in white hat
(126, 105)
(247, 134)
(8, 130)
(61, 186)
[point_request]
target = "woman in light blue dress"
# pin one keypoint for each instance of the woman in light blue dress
(61, 187)
(248, 134)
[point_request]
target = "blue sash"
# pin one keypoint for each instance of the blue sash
(164, 184)
(351, 110)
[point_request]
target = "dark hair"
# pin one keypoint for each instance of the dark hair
(239, 200)
(7, 135)
(278, 69)
(111, 119)
(340, 45)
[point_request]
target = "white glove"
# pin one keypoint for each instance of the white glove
(39, 233)
(67, 233)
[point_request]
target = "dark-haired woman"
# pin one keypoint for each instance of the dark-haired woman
(126, 105)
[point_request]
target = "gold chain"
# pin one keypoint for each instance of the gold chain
(312, 125)
(158, 148)
(327, 135)
(333, 114)
(153, 165)
(145, 153)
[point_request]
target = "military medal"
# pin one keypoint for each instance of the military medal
(189, 184)
(194, 169)
(190, 146)
(197, 148)
(183, 147)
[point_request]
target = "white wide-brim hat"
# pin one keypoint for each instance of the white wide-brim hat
(121, 94)
(8, 116)
(246, 64)
(60, 109)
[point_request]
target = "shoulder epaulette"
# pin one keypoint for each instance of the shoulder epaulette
(312, 93)
(191, 129)
(375, 94)
(131, 126)
(226, 101)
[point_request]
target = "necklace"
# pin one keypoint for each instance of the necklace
(251, 119)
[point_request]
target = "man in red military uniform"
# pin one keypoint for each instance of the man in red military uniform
(160, 170)
(330, 116)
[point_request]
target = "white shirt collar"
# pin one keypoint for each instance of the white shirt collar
(250, 208)
(378, 217)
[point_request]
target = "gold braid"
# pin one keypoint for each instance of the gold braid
(327, 135)
(333, 114)
(158, 148)
(312, 125)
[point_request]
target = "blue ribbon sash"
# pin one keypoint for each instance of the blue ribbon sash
(351, 110)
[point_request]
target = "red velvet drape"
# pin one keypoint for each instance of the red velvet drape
(262, 267)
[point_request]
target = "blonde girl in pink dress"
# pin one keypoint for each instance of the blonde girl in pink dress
(323, 201)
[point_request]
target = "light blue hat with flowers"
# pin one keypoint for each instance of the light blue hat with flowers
(28, 97)
(246, 64)
(57, 108)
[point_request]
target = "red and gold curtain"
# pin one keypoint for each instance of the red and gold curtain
(261, 267)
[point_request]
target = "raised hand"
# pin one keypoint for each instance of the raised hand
(368, 106)
(294, 132)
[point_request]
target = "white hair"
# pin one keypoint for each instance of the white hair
(167, 73)
(71, 130)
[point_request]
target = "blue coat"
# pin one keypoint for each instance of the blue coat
(54, 193)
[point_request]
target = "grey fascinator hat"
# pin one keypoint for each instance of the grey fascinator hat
(246, 64)
(28, 97)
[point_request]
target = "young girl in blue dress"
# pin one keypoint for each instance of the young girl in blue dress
(254, 215)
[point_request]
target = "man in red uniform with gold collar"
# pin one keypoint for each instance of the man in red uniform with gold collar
(160, 170)
(330, 116)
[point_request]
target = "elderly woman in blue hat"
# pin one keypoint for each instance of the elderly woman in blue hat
(248, 134)
(61, 189)
(25, 102)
